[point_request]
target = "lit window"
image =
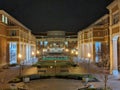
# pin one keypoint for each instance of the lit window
(3, 18)
(115, 18)
(45, 43)
(41, 43)
(13, 33)
(6, 20)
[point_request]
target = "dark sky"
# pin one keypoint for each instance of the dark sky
(44, 15)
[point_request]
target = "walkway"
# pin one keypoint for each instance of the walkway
(8, 74)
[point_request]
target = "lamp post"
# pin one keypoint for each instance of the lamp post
(38, 52)
(88, 63)
(20, 69)
(33, 57)
(55, 66)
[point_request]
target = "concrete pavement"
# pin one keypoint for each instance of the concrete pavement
(8, 74)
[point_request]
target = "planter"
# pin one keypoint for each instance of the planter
(26, 79)
(85, 79)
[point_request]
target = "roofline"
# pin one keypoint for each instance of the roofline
(111, 4)
(15, 20)
(104, 16)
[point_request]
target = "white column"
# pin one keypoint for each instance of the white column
(26, 52)
(83, 51)
(80, 51)
(111, 56)
(115, 58)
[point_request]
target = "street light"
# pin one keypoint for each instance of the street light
(55, 66)
(38, 52)
(20, 69)
(76, 52)
(67, 50)
(88, 63)
(33, 56)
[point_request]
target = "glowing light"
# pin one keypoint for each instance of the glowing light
(44, 50)
(76, 52)
(38, 52)
(72, 52)
(89, 55)
(33, 53)
(67, 50)
(19, 56)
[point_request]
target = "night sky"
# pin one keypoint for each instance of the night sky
(45, 15)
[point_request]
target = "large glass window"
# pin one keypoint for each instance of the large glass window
(98, 51)
(45, 43)
(41, 43)
(13, 52)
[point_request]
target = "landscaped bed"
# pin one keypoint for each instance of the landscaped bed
(53, 63)
(59, 76)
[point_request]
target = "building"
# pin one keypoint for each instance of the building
(94, 40)
(114, 13)
(16, 41)
(101, 39)
(57, 42)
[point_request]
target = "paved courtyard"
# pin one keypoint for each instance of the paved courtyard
(56, 84)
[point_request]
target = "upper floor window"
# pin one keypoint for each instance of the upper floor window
(115, 18)
(4, 19)
(13, 33)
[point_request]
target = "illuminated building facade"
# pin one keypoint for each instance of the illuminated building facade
(102, 39)
(94, 40)
(56, 42)
(114, 13)
(15, 40)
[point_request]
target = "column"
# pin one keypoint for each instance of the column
(111, 55)
(115, 58)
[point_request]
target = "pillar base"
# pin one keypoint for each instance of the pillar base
(115, 74)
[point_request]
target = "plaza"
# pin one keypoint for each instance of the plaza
(57, 59)
(57, 84)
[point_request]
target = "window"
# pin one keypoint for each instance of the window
(13, 52)
(115, 18)
(13, 33)
(41, 43)
(98, 51)
(3, 20)
(45, 43)
(6, 20)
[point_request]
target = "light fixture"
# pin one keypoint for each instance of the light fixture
(89, 55)
(19, 56)
(38, 52)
